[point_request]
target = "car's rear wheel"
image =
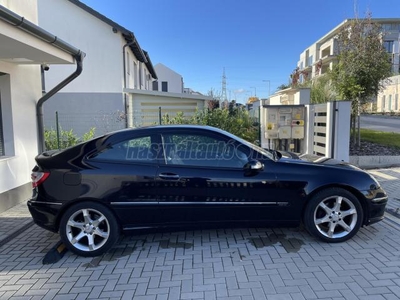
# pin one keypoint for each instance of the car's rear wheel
(333, 215)
(88, 229)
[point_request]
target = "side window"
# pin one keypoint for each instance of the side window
(164, 86)
(202, 150)
(138, 149)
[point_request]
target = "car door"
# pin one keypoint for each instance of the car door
(203, 180)
(126, 169)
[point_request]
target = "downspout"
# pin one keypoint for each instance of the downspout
(128, 121)
(39, 105)
(33, 29)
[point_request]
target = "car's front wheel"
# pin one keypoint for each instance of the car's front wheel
(88, 229)
(333, 215)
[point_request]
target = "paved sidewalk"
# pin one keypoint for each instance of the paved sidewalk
(14, 221)
(254, 263)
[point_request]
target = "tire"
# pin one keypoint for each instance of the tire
(333, 215)
(88, 229)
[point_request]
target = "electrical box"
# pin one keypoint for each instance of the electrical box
(284, 122)
(298, 132)
(285, 132)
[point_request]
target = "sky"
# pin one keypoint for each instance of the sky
(257, 42)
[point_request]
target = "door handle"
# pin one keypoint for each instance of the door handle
(169, 176)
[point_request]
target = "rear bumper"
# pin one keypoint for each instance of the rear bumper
(44, 214)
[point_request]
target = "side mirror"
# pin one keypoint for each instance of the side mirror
(253, 166)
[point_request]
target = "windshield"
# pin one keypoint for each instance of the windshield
(252, 146)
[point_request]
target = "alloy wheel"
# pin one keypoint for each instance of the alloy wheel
(335, 217)
(87, 229)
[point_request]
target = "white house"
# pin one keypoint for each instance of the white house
(168, 80)
(24, 47)
(114, 61)
(118, 75)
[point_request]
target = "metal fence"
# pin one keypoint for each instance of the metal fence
(65, 129)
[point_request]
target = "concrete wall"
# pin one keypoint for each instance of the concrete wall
(83, 111)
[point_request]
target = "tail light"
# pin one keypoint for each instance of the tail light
(38, 178)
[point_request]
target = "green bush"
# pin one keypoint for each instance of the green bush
(67, 138)
(234, 120)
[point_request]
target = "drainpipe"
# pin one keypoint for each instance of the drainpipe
(39, 105)
(33, 29)
(128, 116)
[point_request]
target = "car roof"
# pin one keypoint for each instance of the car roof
(175, 126)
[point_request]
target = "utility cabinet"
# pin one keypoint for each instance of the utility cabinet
(315, 129)
(284, 127)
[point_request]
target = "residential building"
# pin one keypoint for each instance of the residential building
(24, 47)
(148, 107)
(290, 96)
(388, 98)
(114, 61)
(168, 97)
(119, 76)
(168, 80)
(320, 56)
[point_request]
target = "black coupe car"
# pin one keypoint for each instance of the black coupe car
(182, 175)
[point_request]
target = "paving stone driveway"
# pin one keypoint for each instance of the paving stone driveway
(254, 263)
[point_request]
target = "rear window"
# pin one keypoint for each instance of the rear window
(138, 149)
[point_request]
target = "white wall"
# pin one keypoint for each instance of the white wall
(20, 90)
(27, 9)
(175, 81)
(103, 65)
(137, 74)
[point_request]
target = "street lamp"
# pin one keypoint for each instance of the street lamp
(255, 90)
(269, 86)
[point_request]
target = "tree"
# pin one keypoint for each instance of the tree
(362, 65)
(283, 87)
(320, 89)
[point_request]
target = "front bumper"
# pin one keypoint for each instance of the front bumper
(376, 202)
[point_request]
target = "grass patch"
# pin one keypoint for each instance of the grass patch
(379, 137)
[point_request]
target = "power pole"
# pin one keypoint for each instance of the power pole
(223, 96)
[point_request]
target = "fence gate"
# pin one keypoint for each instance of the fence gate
(321, 137)
(329, 129)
